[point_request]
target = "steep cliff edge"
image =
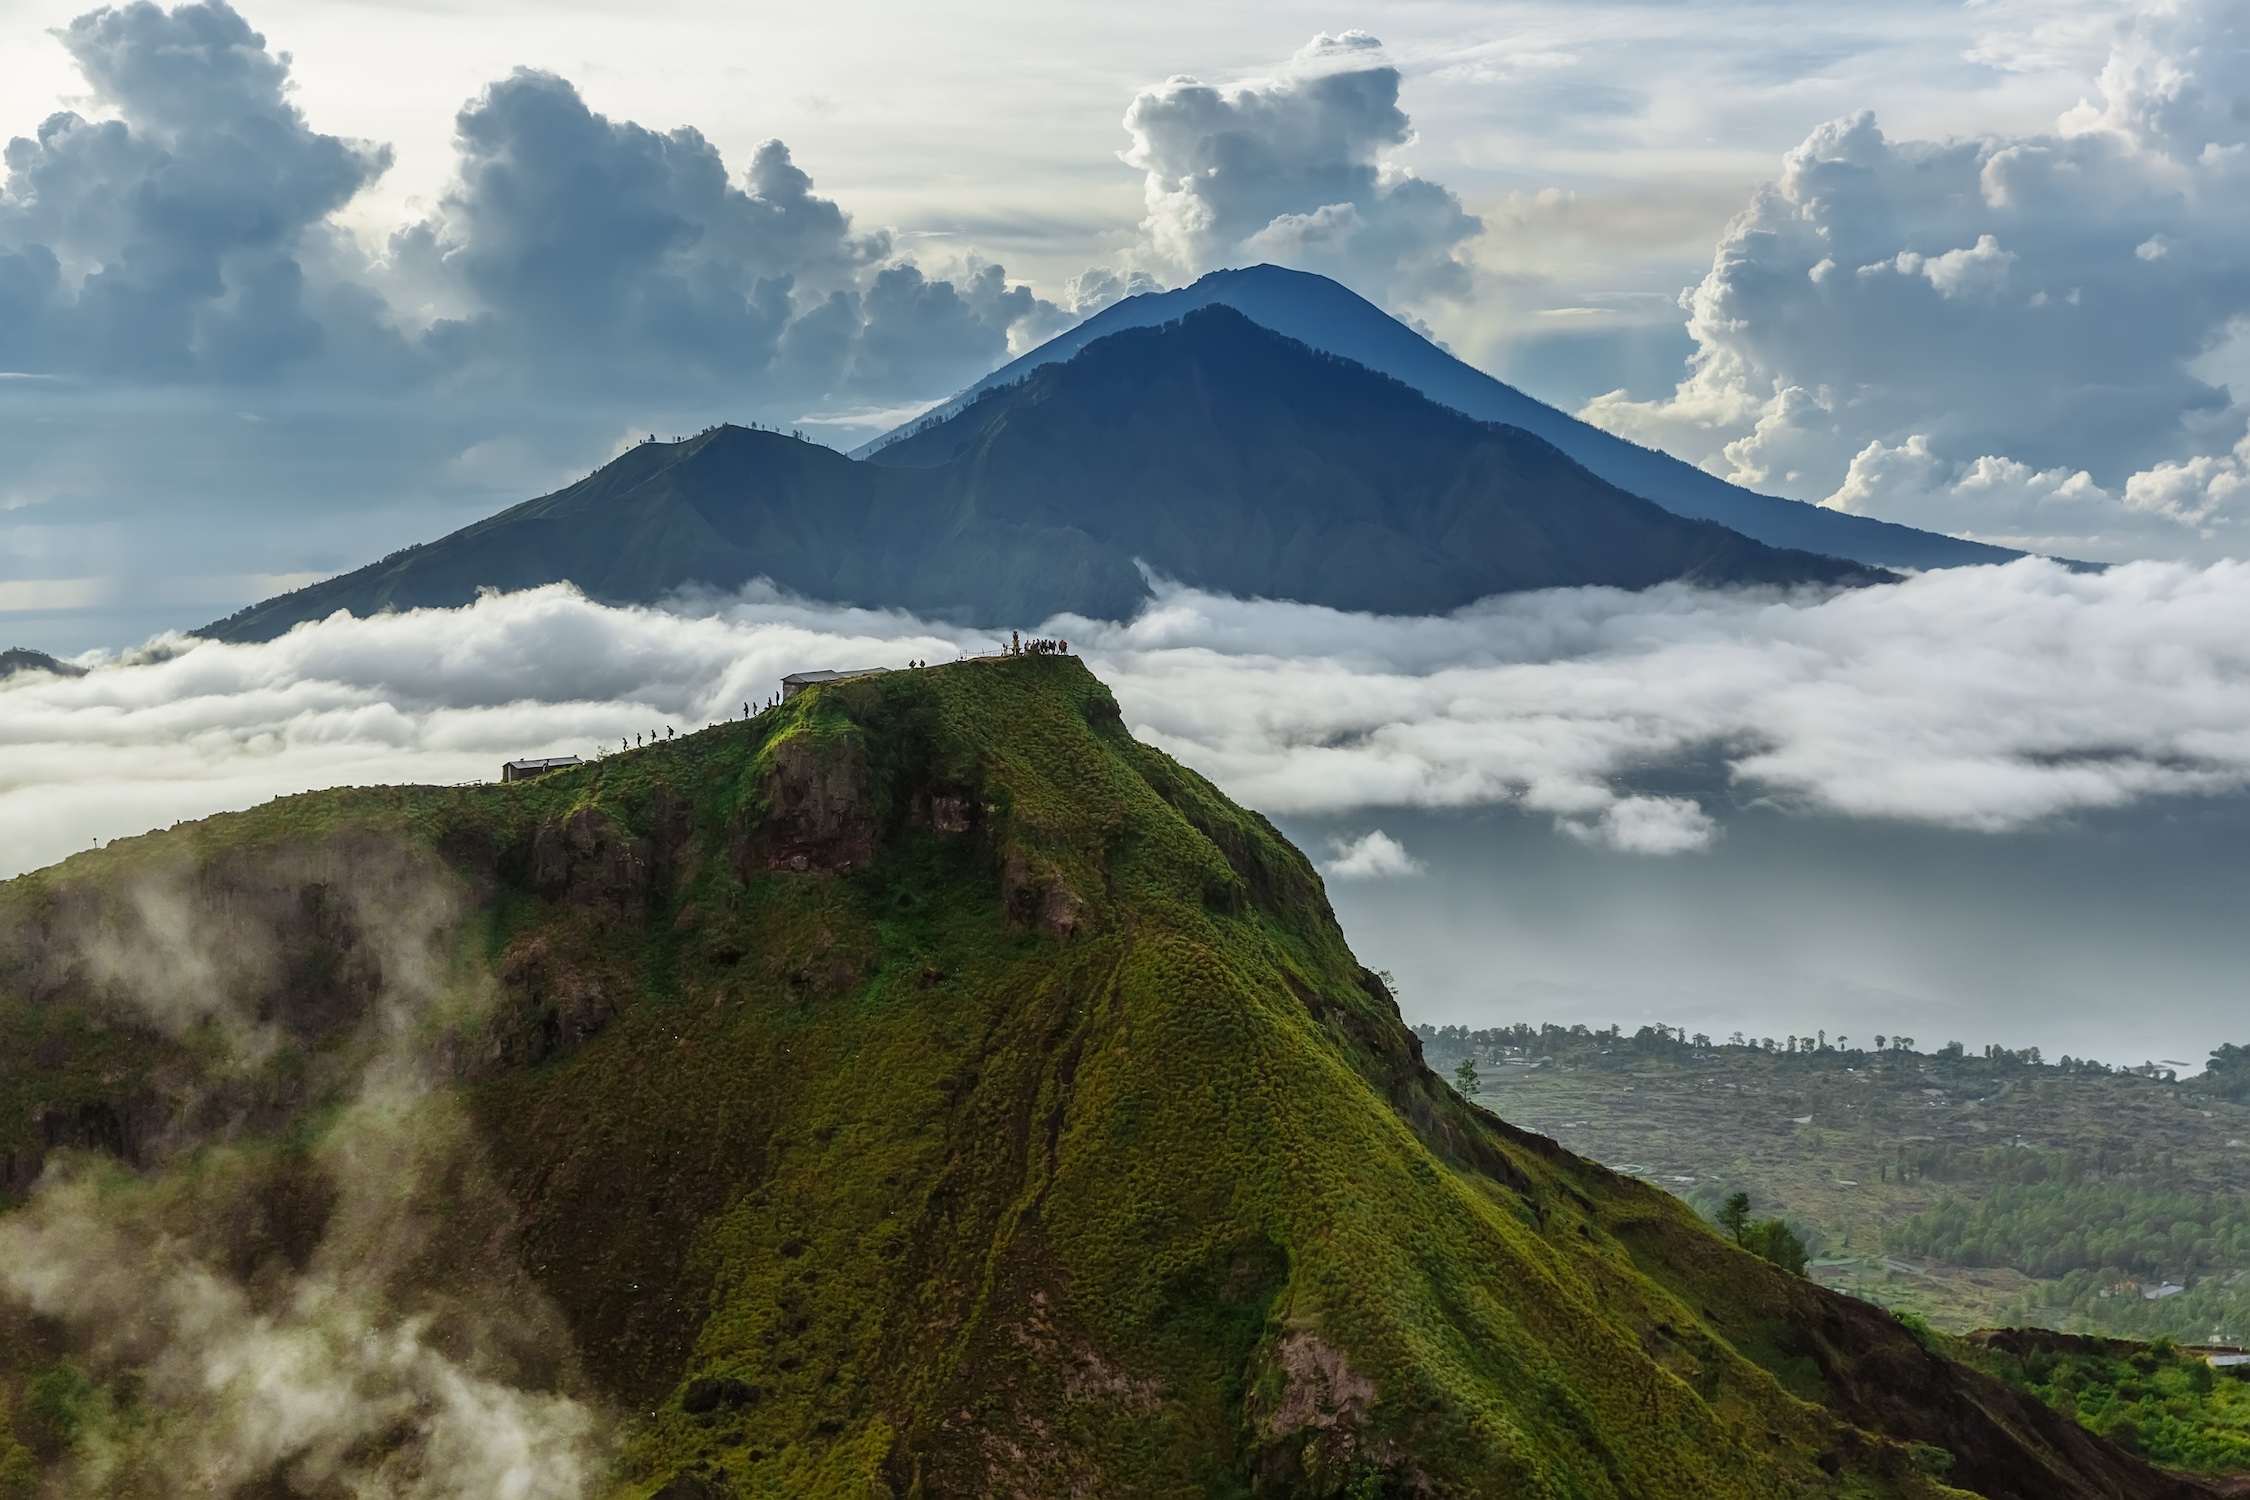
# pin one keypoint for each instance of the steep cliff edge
(923, 1089)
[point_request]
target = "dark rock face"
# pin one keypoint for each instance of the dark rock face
(554, 1005)
(817, 815)
(705, 1395)
(1037, 896)
(589, 859)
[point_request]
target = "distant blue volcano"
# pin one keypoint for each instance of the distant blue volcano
(1210, 450)
(1332, 318)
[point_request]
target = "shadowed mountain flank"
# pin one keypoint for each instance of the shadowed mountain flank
(1213, 451)
(23, 659)
(921, 1089)
(1336, 320)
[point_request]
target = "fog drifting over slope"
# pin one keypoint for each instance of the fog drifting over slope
(356, 1320)
(1977, 698)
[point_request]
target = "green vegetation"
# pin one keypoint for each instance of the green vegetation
(923, 1089)
(2163, 1402)
(2228, 1075)
(2049, 1229)
(1972, 1189)
(1768, 1239)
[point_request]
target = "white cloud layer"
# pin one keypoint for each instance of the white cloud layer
(2024, 338)
(1977, 698)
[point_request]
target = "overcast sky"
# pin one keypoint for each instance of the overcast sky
(282, 289)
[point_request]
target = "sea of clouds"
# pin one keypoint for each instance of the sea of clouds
(1975, 698)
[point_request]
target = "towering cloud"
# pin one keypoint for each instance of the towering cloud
(596, 250)
(173, 265)
(2008, 336)
(173, 240)
(1291, 169)
(189, 239)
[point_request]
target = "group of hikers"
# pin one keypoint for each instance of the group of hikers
(1017, 646)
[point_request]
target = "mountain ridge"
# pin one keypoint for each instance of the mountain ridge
(923, 1089)
(1213, 450)
(1325, 315)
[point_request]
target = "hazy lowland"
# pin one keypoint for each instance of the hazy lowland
(921, 1088)
(1970, 1190)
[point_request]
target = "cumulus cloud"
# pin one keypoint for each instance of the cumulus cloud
(1372, 856)
(190, 238)
(609, 251)
(172, 241)
(173, 264)
(1292, 169)
(1098, 287)
(1976, 698)
(2005, 336)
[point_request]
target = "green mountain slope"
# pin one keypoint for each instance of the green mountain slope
(923, 1089)
(1213, 450)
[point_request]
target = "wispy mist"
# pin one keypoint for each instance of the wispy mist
(342, 1315)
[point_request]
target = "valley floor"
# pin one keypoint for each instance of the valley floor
(1969, 1191)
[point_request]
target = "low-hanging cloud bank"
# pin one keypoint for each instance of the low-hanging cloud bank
(1979, 698)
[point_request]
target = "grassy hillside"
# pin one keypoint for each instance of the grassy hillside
(923, 1089)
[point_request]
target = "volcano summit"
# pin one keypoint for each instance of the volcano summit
(1210, 450)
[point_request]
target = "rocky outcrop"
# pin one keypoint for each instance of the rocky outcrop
(816, 812)
(552, 1004)
(588, 859)
(1035, 895)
